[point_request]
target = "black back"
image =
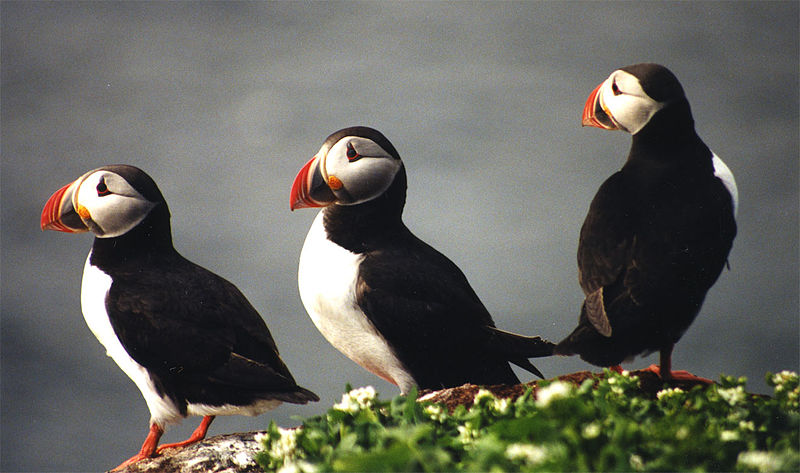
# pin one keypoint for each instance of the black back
(655, 239)
(419, 300)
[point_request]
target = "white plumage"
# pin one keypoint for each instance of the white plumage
(94, 288)
(327, 278)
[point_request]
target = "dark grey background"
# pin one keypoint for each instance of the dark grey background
(223, 103)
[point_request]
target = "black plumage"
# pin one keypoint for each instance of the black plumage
(420, 301)
(655, 239)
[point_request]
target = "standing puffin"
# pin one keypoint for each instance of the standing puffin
(188, 338)
(379, 294)
(658, 232)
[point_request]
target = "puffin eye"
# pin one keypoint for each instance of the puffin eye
(615, 89)
(102, 189)
(352, 154)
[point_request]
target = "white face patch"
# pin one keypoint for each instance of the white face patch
(358, 169)
(108, 205)
(725, 175)
(626, 103)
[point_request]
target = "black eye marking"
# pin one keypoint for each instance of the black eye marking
(352, 154)
(102, 189)
(615, 89)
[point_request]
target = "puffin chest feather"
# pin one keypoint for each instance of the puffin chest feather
(327, 279)
(94, 290)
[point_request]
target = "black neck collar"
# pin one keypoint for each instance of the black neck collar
(151, 237)
(359, 228)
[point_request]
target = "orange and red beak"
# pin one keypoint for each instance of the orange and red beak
(59, 213)
(595, 113)
(309, 188)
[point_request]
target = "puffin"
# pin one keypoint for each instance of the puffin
(188, 339)
(380, 295)
(658, 232)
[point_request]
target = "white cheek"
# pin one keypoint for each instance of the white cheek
(364, 179)
(371, 178)
(631, 112)
(115, 214)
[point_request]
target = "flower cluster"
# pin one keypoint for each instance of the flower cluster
(484, 398)
(551, 392)
(787, 388)
(356, 400)
(734, 395)
(670, 393)
(608, 423)
(530, 454)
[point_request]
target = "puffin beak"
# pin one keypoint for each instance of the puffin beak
(595, 113)
(59, 214)
(309, 188)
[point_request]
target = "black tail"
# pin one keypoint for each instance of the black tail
(518, 348)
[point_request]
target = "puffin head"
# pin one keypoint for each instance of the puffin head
(354, 165)
(630, 97)
(108, 201)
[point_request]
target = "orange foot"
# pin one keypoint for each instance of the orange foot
(678, 375)
(198, 435)
(148, 447)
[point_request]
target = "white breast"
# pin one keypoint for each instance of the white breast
(725, 175)
(327, 276)
(94, 289)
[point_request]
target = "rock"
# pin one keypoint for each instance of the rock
(464, 395)
(230, 453)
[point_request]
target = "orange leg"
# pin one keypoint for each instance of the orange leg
(198, 435)
(666, 373)
(148, 447)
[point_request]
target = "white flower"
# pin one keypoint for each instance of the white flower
(732, 396)
(758, 460)
(466, 434)
(299, 466)
(286, 446)
(289, 467)
(729, 435)
(591, 430)
(636, 462)
(780, 380)
(747, 425)
(494, 403)
(483, 394)
(669, 392)
(356, 400)
(554, 390)
(501, 405)
(530, 454)
(435, 412)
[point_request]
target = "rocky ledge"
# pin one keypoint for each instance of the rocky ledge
(234, 453)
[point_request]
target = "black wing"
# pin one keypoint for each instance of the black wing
(653, 243)
(199, 335)
(425, 308)
(607, 235)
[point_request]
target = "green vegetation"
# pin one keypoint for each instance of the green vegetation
(601, 425)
